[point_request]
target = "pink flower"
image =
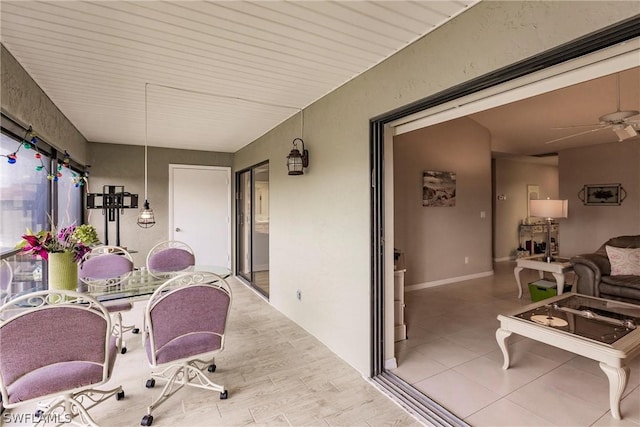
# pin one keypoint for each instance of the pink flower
(34, 246)
(65, 240)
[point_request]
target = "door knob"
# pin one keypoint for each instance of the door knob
(178, 229)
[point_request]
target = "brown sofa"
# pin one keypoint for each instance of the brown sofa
(593, 272)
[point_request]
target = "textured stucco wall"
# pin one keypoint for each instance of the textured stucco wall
(117, 164)
(23, 100)
(320, 222)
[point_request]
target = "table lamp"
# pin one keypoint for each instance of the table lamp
(549, 209)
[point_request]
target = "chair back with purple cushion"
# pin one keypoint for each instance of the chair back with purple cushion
(202, 300)
(169, 258)
(105, 266)
(52, 342)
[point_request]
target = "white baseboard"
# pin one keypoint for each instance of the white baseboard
(446, 281)
(391, 363)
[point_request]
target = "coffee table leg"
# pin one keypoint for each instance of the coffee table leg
(617, 383)
(559, 281)
(501, 337)
(516, 272)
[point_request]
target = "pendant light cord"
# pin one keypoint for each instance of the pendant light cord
(146, 85)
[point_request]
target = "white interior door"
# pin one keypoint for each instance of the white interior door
(200, 211)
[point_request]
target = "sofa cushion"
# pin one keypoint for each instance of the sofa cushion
(624, 261)
(623, 288)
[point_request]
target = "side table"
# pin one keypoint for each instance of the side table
(557, 268)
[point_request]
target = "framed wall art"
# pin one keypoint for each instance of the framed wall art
(438, 189)
(602, 194)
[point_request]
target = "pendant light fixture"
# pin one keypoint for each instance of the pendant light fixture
(146, 218)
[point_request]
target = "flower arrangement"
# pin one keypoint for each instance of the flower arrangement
(73, 239)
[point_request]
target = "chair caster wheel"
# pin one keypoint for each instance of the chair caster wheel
(224, 395)
(120, 395)
(146, 420)
(211, 368)
(123, 350)
(150, 384)
(135, 331)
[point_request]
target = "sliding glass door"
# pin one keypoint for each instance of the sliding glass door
(253, 226)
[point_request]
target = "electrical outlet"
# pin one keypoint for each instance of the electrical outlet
(299, 295)
(466, 260)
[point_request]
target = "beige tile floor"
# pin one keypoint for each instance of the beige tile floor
(452, 356)
(275, 372)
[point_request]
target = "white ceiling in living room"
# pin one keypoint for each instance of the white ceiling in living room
(218, 74)
(569, 116)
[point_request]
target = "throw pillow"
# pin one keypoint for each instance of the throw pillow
(624, 261)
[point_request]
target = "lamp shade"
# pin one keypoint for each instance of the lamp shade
(548, 208)
(294, 162)
(146, 218)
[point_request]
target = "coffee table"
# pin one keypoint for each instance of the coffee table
(603, 330)
(557, 268)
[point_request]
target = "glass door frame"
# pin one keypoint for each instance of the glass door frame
(422, 406)
(240, 221)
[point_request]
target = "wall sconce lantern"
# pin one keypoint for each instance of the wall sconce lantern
(297, 161)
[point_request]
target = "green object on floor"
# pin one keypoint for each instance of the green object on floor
(542, 289)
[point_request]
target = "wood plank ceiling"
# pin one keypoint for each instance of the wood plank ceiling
(216, 74)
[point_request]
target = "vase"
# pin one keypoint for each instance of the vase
(63, 271)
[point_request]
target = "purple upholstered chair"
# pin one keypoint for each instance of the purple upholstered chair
(185, 345)
(106, 268)
(56, 345)
(169, 258)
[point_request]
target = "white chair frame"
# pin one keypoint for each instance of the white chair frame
(104, 250)
(187, 371)
(72, 403)
(94, 284)
(4, 293)
(167, 244)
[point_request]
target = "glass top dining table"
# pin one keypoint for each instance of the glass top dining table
(140, 284)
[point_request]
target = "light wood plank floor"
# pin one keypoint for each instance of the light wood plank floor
(276, 374)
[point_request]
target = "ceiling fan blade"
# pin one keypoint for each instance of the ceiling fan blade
(578, 134)
(576, 126)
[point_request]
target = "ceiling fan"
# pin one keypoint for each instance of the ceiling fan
(619, 122)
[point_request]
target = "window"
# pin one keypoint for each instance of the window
(26, 202)
(24, 191)
(69, 199)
